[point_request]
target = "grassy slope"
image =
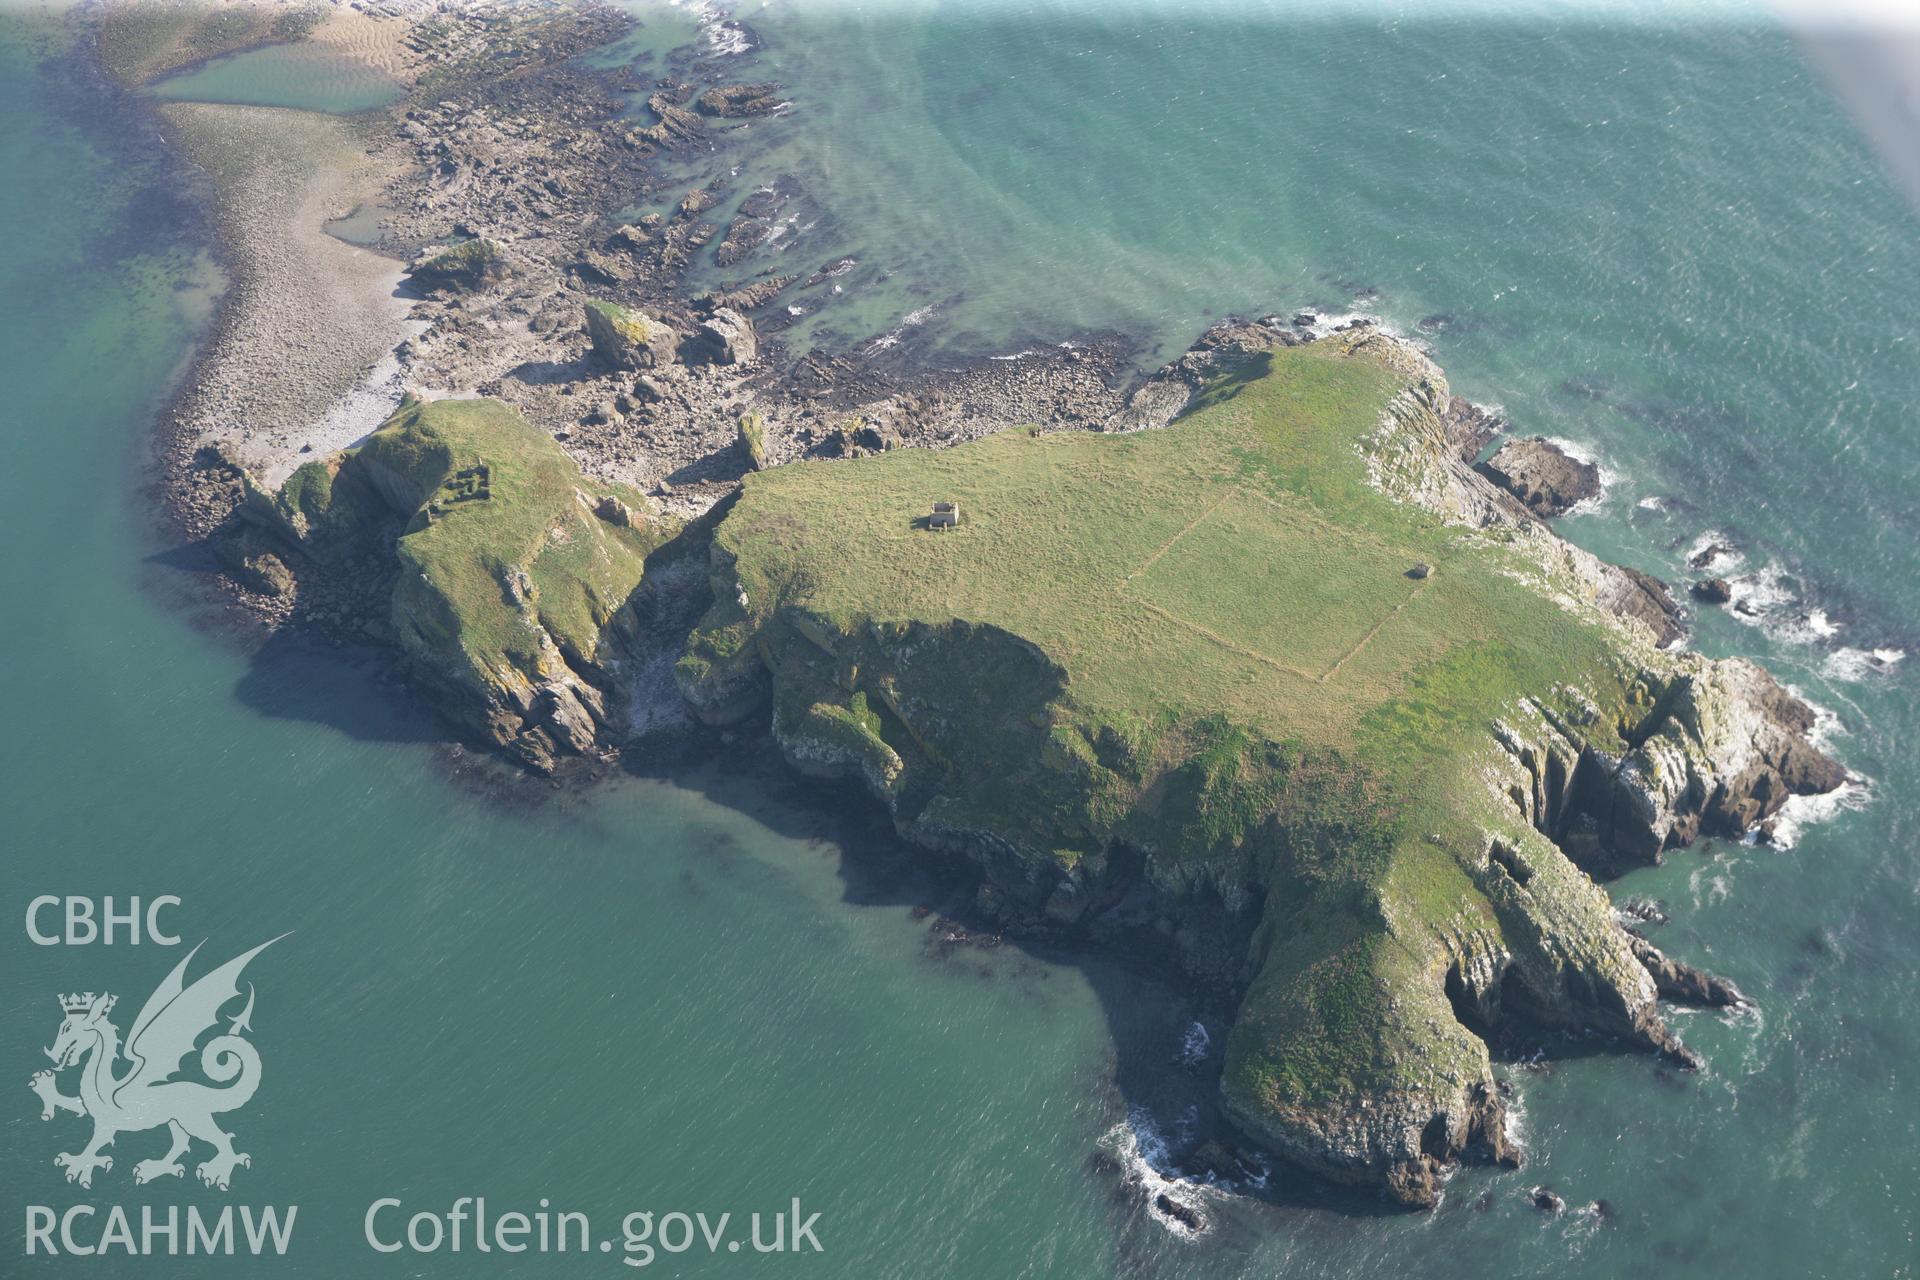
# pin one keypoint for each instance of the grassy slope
(1242, 677)
(454, 604)
(1219, 567)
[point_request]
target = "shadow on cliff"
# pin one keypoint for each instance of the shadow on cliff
(1167, 1039)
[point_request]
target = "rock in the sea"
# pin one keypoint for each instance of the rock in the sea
(676, 123)
(1544, 477)
(1712, 591)
(1543, 1199)
(1708, 554)
(740, 100)
(1679, 981)
(1179, 1211)
(744, 235)
(747, 296)
(725, 337)
(627, 339)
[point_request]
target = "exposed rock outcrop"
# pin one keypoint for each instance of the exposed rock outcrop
(1681, 982)
(1544, 477)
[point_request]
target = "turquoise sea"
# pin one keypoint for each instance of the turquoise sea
(709, 991)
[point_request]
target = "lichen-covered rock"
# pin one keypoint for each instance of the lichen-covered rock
(628, 339)
(753, 440)
(463, 268)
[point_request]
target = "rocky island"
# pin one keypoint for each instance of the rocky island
(1251, 661)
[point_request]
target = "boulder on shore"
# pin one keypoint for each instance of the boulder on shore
(463, 268)
(725, 337)
(627, 339)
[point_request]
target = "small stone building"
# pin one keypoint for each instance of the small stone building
(945, 515)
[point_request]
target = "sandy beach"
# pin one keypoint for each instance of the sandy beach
(376, 42)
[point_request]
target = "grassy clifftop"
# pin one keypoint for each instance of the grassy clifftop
(1205, 658)
(513, 571)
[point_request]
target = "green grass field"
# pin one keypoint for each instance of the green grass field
(1224, 566)
(1288, 609)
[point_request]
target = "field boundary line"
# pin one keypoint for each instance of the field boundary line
(1354, 652)
(1221, 640)
(1168, 545)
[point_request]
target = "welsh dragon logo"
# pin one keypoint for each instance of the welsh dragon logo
(147, 1095)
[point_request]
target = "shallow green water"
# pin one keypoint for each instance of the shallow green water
(301, 76)
(707, 995)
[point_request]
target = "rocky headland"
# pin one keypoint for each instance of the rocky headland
(1251, 662)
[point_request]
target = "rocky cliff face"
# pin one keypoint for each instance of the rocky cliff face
(1719, 748)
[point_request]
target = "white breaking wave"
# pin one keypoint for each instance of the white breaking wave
(1801, 812)
(1764, 599)
(723, 35)
(1147, 1166)
(1827, 724)
(1848, 663)
(911, 320)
